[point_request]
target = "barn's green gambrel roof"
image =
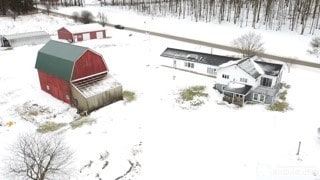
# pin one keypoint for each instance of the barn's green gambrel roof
(58, 58)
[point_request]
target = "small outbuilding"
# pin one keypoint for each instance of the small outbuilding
(21, 39)
(76, 75)
(82, 32)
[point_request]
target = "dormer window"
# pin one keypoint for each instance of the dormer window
(266, 82)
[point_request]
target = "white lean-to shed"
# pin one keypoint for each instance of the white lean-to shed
(22, 39)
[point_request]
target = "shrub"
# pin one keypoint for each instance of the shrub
(315, 45)
(189, 93)
(193, 95)
(81, 121)
(50, 126)
(129, 96)
(86, 17)
(282, 95)
(279, 106)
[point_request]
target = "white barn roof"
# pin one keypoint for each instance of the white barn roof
(84, 28)
(28, 38)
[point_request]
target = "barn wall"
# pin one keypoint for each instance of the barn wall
(88, 64)
(65, 34)
(93, 35)
(107, 97)
(80, 101)
(56, 87)
(97, 101)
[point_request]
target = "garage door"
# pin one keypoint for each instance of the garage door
(99, 35)
(86, 36)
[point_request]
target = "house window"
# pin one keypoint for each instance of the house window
(225, 76)
(244, 80)
(259, 97)
(265, 82)
(211, 70)
(189, 65)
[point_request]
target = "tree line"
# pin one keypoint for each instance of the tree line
(297, 15)
(17, 7)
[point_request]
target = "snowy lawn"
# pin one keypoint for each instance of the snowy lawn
(154, 136)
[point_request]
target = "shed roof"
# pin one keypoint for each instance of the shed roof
(58, 58)
(198, 57)
(25, 35)
(74, 29)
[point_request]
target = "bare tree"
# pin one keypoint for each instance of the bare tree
(75, 16)
(315, 45)
(39, 157)
(102, 18)
(249, 44)
(12, 14)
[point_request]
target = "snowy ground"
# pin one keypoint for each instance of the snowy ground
(279, 43)
(162, 139)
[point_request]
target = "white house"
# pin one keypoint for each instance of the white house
(249, 79)
(201, 63)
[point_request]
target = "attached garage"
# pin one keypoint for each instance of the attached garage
(76, 75)
(82, 32)
(22, 39)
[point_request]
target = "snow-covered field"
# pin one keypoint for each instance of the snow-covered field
(279, 43)
(160, 137)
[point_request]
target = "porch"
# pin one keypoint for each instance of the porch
(235, 93)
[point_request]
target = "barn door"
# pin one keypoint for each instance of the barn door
(86, 36)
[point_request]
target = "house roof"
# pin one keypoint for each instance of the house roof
(74, 29)
(238, 88)
(271, 69)
(255, 67)
(250, 67)
(58, 58)
(198, 57)
(25, 35)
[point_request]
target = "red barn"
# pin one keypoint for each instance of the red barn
(82, 32)
(76, 75)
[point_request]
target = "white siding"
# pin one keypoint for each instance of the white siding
(235, 73)
(180, 64)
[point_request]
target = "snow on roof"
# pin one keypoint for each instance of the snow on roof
(97, 86)
(229, 63)
(255, 66)
(199, 57)
(238, 88)
(27, 34)
(271, 69)
(84, 28)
